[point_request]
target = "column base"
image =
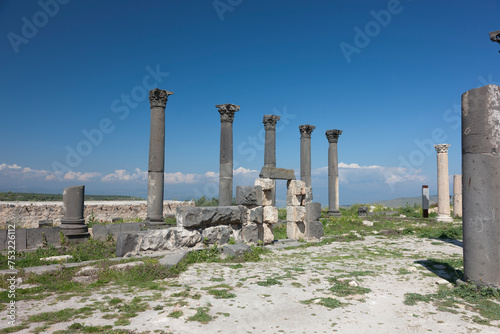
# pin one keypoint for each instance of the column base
(444, 218)
(155, 224)
(335, 213)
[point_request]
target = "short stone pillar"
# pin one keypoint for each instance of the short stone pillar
(443, 184)
(73, 224)
(226, 112)
(481, 185)
(425, 201)
(158, 101)
(333, 172)
(269, 122)
(457, 195)
(305, 153)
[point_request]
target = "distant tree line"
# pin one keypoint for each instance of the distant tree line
(35, 197)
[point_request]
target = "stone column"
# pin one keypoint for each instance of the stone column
(73, 224)
(457, 195)
(481, 185)
(443, 184)
(158, 101)
(305, 153)
(425, 201)
(270, 147)
(226, 112)
(333, 172)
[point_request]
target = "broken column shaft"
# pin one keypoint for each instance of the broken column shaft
(73, 224)
(158, 101)
(226, 112)
(481, 185)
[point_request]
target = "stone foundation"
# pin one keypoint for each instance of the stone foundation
(28, 214)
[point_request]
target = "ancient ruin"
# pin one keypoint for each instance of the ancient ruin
(73, 223)
(158, 101)
(481, 184)
(443, 183)
(457, 196)
(333, 172)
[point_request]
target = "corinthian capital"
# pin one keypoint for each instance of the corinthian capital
(227, 111)
(306, 130)
(442, 148)
(270, 122)
(158, 97)
(333, 135)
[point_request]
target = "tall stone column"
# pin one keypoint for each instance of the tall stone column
(158, 101)
(270, 147)
(481, 184)
(457, 195)
(73, 224)
(425, 201)
(333, 172)
(226, 112)
(305, 153)
(443, 184)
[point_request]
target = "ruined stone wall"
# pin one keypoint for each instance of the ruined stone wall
(28, 214)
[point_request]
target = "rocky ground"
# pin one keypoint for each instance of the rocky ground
(345, 287)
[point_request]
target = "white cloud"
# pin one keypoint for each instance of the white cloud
(123, 175)
(243, 170)
(76, 176)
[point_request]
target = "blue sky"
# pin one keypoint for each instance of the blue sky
(390, 74)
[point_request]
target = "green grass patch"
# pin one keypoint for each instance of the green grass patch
(201, 315)
(175, 314)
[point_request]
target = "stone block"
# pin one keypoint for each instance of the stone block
(35, 237)
(296, 187)
(252, 232)
(190, 217)
(3, 239)
(294, 200)
(295, 213)
(173, 259)
(216, 234)
(266, 184)
(126, 243)
(235, 231)
(256, 215)
(308, 197)
(249, 195)
(236, 250)
(267, 198)
(362, 211)
(21, 239)
(270, 214)
(314, 230)
(295, 231)
(313, 211)
(277, 173)
(268, 237)
(45, 223)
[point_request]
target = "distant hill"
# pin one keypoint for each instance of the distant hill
(34, 197)
(400, 202)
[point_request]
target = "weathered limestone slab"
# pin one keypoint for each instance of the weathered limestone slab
(295, 213)
(277, 173)
(172, 259)
(21, 239)
(268, 190)
(270, 215)
(249, 195)
(295, 230)
(308, 197)
(129, 244)
(265, 184)
(296, 187)
(481, 184)
(36, 237)
(252, 232)
(236, 250)
(57, 258)
(206, 216)
(268, 237)
(313, 211)
(216, 234)
(314, 230)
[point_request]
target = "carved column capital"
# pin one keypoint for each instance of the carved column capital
(158, 97)
(442, 148)
(333, 135)
(270, 122)
(227, 111)
(306, 130)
